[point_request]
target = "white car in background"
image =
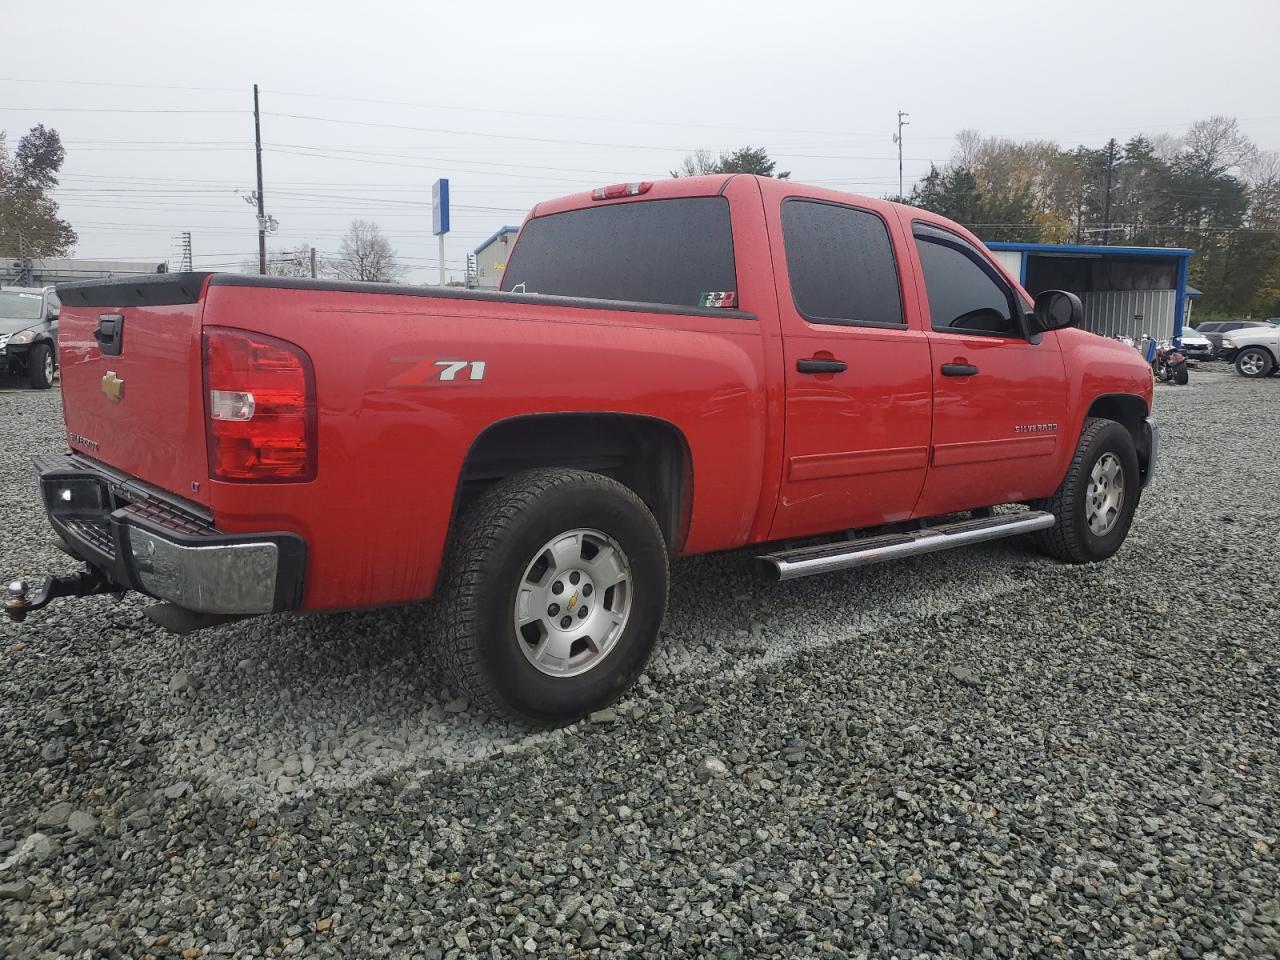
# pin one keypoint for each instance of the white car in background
(1256, 349)
(1195, 346)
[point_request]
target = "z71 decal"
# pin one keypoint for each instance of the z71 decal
(428, 371)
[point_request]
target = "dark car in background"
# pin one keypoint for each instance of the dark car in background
(1215, 330)
(29, 334)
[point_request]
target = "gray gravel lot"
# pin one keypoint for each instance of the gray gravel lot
(979, 754)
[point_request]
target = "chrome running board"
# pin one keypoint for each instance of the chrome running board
(829, 557)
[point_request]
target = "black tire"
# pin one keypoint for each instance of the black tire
(490, 550)
(1248, 356)
(1180, 375)
(1071, 539)
(40, 366)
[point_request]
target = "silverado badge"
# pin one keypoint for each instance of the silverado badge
(113, 386)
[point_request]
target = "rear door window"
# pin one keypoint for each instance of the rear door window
(673, 252)
(841, 265)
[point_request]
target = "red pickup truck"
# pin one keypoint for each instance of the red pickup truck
(670, 368)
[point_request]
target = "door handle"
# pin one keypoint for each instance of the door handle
(813, 365)
(959, 370)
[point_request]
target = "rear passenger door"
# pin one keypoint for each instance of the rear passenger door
(999, 400)
(857, 376)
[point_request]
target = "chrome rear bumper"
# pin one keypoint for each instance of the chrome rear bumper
(145, 539)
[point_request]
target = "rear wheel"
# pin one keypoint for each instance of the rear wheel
(1094, 505)
(40, 366)
(1180, 374)
(1254, 362)
(554, 590)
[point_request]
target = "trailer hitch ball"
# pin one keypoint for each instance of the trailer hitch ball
(17, 600)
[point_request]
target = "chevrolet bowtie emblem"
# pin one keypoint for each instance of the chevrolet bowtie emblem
(113, 386)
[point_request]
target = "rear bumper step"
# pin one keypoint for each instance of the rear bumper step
(135, 537)
(830, 557)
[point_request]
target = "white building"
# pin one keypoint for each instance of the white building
(41, 271)
(491, 258)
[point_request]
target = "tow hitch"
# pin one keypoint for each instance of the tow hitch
(19, 600)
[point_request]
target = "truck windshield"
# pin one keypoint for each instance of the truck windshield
(672, 252)
(16, 305)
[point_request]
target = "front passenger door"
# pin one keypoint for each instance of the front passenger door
(999, 400)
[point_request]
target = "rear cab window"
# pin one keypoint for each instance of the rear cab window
(673, 252)
(841, 265)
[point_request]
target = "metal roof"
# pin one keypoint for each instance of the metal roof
(1089, 249)
(501, 231)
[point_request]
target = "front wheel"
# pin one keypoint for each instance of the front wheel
(1181, 376)
(1254, 362)
(1095, 503)
(554, 589)
(40, 366)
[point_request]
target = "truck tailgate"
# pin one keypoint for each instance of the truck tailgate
(132, 378)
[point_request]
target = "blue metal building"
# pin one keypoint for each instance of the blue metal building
(1126, 291)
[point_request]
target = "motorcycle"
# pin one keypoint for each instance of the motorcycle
(1169, 365)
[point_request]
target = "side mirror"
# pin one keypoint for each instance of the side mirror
(1056, 309)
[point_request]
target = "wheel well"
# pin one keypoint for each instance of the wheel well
(1131, 413)
(649, 456)
(1257, 346)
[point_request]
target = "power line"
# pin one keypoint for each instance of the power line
(116, 110)
(106, 83)
(512, 136)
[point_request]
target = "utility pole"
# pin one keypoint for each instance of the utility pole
(186, 251)
(262, 213)
(898, 140)
(1106, 206)
(313, 263)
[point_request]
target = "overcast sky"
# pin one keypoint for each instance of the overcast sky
(366, 104)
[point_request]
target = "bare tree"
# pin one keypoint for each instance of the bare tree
(1263, 176)
(1218, 145)
(1167, 146)
(1263, 170)
(698, 163)
(968, 149)
(365, 254)
(287, 263)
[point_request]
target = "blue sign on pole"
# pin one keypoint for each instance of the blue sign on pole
(440, 207)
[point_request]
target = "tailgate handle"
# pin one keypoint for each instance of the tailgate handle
(110, 334)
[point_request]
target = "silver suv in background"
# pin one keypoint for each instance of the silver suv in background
(29, 334)
(1256, 349)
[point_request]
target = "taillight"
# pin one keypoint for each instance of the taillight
(260, 398)
(614, 191)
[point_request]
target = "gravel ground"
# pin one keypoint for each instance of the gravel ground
(979, 754)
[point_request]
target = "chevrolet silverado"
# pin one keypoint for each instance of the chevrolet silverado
(670, 368)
